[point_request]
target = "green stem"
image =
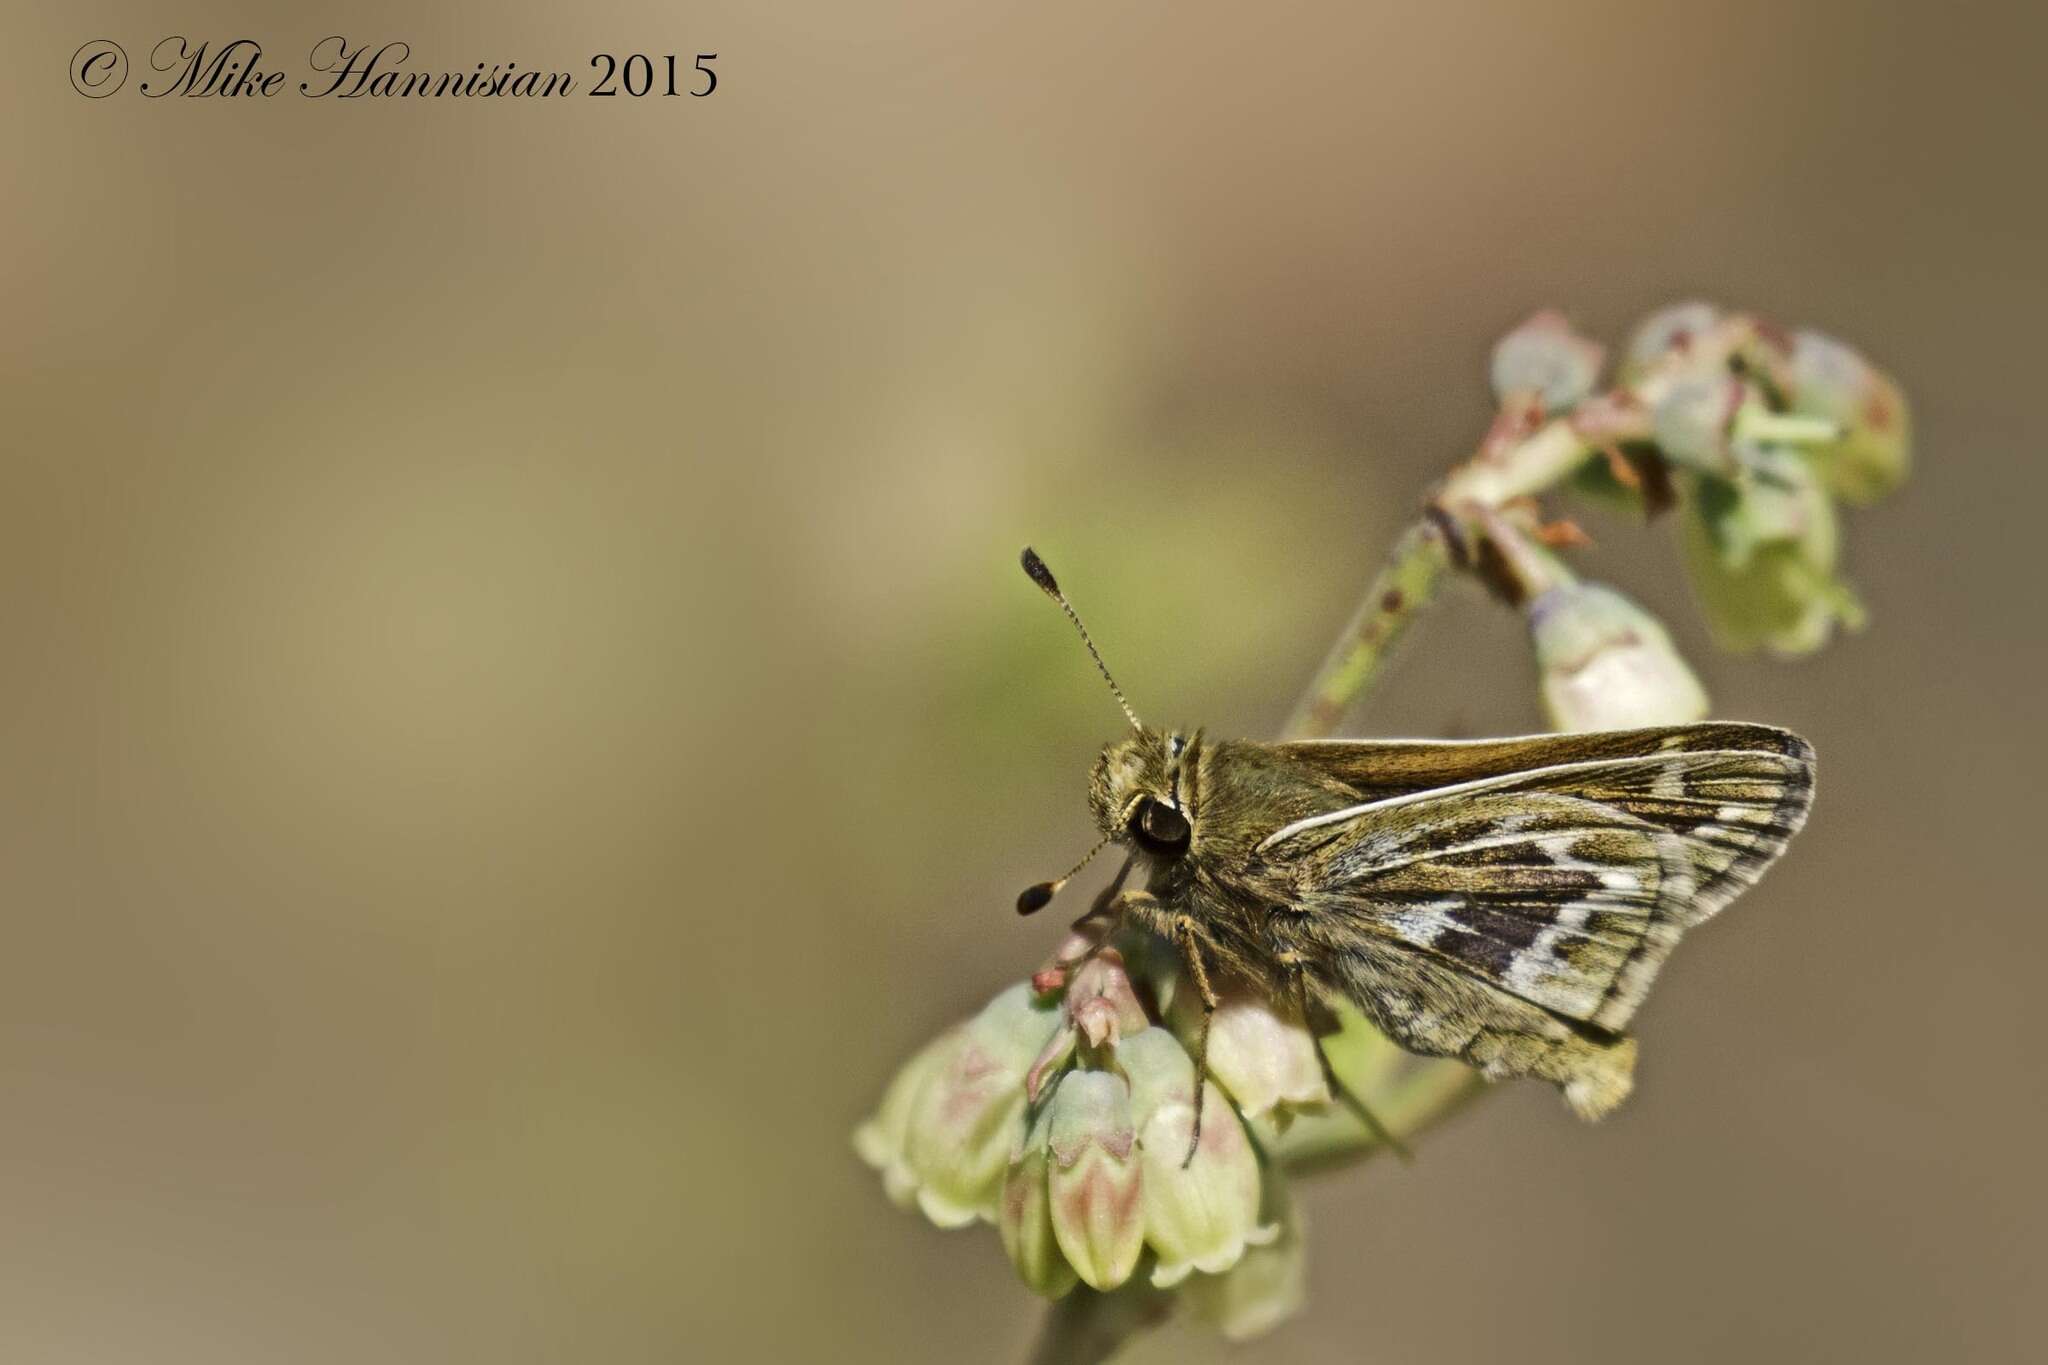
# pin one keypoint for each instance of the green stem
(1404, 587)
(1425, 1094)
(1088, 1327)
(1514, 565)
(1524, 471)
(1760, 425)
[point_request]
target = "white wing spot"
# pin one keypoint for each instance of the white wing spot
(1423, 924)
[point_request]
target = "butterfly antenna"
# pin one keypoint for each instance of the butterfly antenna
(1035, 898)
(1042, 576)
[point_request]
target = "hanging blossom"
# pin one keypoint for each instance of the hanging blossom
(1064, 1114)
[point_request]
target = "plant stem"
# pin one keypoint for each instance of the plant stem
(1527, 469)
(1087, 1327)
(1403, 588)
(1427, 1093)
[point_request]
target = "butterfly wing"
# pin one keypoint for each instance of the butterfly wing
(1378, 768)
(1510, 901)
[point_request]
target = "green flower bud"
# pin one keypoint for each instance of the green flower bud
(881, 1141)
(1604, 663)
(1664, 331)
(1824, 378)
(1761, 556)
(1200, 1211)
(969, 1117)
(1267, 1286)
(1096, 1179)
(1544, 356)
(1693, 423)
(1259, 1051)
(1025, 1219)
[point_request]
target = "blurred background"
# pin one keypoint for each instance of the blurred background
(518, 710)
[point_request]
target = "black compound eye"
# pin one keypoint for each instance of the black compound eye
(1161, 827)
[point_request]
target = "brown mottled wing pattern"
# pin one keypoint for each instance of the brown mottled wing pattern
(1510, 901)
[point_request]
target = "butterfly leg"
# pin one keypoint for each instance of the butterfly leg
(1186, 935)
(1190, 952)
(1296, 968)
(1109, 905)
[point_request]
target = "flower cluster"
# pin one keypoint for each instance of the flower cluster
(1065, 1114)
(1767, 445)
(1755, 433)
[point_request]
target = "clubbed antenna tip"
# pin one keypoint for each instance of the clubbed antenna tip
(1040, 575)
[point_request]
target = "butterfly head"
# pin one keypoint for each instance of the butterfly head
(1141, 789)
(1142, 792)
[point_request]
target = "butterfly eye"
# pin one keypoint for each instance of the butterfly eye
(1161, 828)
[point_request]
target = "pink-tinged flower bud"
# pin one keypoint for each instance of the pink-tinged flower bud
(1604, 663)
(969, 1117)
(1259, 1050)
(1267, 1286)
(1668, 330)
(1100, 1001)
(1545, 357)
(881, 1141)
(1052, 977)
(1200, 1211)
(1096, 1180)
(1824, 378)
(1761, 556)
(1099, 1004)
(1025, 1218)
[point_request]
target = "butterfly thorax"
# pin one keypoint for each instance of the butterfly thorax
(1195, 811)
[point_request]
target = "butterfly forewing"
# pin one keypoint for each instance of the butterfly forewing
(1510, 901)
(1381, 768)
